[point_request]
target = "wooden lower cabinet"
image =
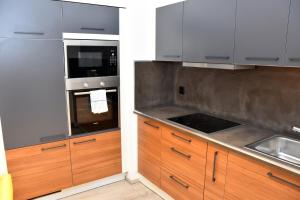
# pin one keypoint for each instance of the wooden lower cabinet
(179, 187)
(149, 149)
(216, 166)
(248, 179)
(40, 169)
(96, 156)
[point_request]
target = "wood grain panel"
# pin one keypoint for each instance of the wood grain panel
(178, 187)
(96, 156)
(149, 149)
(39, 169)
(214, 188)
(247, 179)
(184, 162)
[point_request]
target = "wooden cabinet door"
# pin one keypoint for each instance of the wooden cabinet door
(260, 33)
(208, 31)
(169, 32)
(39, 170)
(87, 18)
(216, 164)
(149, 149)
(96, 156)
(248, 179)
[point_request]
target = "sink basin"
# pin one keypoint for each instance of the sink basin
(280, 147)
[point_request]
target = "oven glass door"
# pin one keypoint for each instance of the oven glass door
(82, 118)
(92, 61)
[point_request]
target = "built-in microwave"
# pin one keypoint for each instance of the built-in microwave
(91, 58)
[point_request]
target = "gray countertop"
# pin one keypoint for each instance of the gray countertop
(233, 138)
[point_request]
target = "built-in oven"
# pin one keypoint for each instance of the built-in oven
(83, 120)
(91, 58)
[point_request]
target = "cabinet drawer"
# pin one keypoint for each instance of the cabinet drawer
(178, 187)
(248, 179)
(215, 177)
(40, 169)
(85, 18)
(187, 141)
(96, 156)
(184, 162)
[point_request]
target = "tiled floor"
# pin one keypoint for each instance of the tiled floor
(117, 191)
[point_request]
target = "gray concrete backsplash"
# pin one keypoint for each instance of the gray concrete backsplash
(267, 97)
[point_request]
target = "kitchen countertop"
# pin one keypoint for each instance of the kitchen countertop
(233, 138)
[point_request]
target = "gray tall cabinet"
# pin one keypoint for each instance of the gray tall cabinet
(169, 32)
(208, 31)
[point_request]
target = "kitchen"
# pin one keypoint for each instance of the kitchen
(200, 103)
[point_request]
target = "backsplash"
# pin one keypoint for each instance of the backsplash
(268, 97)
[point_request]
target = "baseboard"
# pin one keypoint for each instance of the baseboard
(84, 187)
(154, 188)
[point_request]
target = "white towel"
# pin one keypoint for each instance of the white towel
(98, 101)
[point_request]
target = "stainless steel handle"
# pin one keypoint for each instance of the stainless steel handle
(92, 29)
(178, 181)
(28, 33)
(86, 93)
(294, 59)
(54, 147)
(217, 57)
(171, 56)
(262, 59)
(149, 124)
(214, 167)
(180, 153)
(283, 180)
(181, 138)
(85, 141)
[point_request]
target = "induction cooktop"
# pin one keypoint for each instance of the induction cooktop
(204, 123)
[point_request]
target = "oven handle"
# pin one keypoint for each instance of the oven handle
(85, 93)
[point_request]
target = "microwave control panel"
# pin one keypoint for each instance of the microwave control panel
(113, 59)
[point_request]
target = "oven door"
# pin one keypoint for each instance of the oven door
(82, 120)
(91, 58)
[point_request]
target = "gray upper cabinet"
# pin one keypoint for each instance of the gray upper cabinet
(31, 19)
(208, 31)
(293, 37)
(169, 32)
(86, 18)
(33, 100)
(261, 31)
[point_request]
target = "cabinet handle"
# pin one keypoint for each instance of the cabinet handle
(217, 57)
(28, 33)
(283, 180)
(181, 138)
(55, 147)
(149, 124)
(171, 56)
(92, 29)
(85, 141)
(214, 167)
(262, 59)
(178, 181)
(294, 59)
(180, 153)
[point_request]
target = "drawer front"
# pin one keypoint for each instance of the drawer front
(248, 179)
(187, 141)
(96, 156)
(149, 149)
(215, 177)
(85, 18)
(184, 162)
(40, 169)
(178, 187)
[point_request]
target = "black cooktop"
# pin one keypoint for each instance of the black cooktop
(205, 123)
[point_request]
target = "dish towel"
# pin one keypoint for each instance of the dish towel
(98, 101)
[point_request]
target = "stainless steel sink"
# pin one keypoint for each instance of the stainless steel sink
(280, 147)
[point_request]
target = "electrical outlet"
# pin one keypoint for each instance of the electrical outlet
(181, 90)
